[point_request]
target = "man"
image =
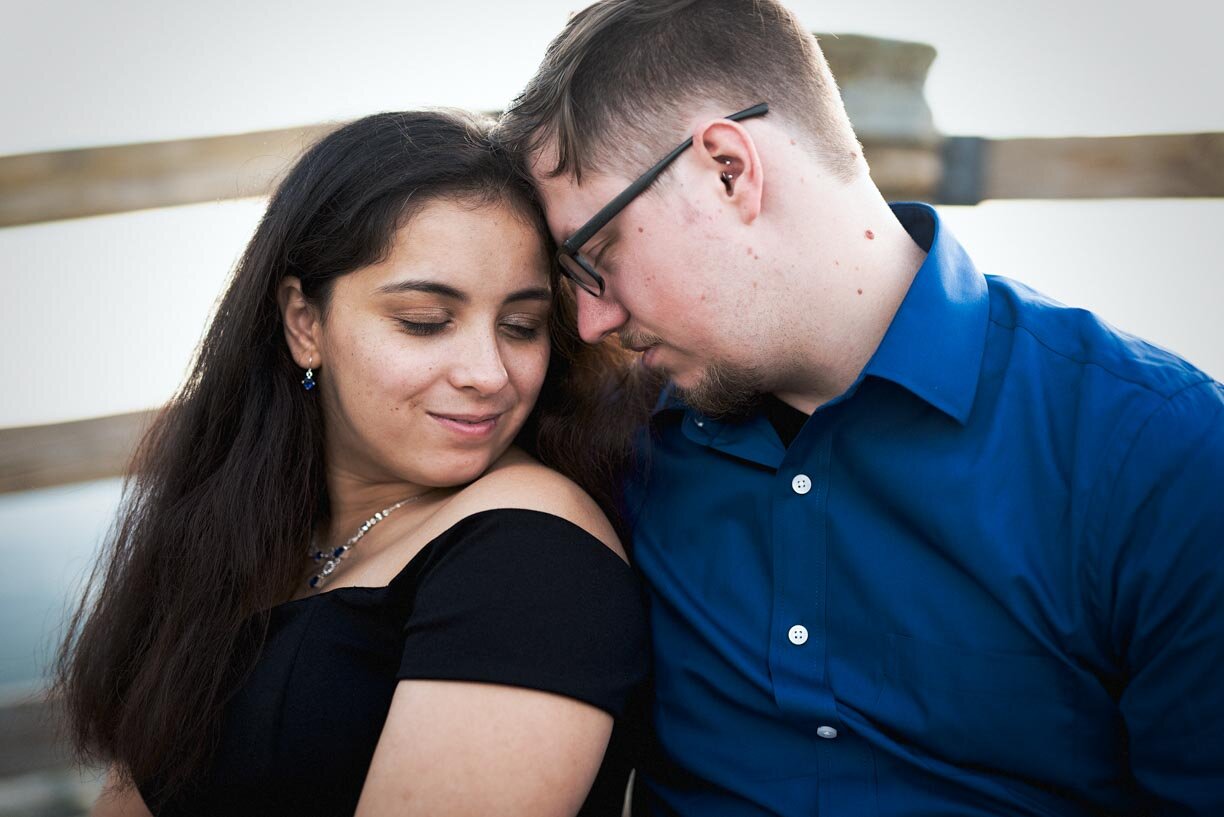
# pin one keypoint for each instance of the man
(918, 541)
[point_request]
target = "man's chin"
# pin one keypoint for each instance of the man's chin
(719, 390)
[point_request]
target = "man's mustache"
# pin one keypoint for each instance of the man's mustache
(638, 340)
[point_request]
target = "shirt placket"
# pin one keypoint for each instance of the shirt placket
(799, 635)
(799, 639)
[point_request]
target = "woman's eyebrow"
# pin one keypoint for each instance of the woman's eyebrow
(448, 291)
(427, 287)
(530, 294)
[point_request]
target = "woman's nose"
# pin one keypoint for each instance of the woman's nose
(479, 366)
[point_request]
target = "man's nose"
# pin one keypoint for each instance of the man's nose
(599, 317)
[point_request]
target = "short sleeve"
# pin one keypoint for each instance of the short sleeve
(527, 599)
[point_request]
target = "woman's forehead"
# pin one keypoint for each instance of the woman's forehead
(460, 251)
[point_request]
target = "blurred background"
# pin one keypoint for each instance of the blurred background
(1077, 146)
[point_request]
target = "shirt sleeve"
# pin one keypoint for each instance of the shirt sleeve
(1166, 520)
(528, 599)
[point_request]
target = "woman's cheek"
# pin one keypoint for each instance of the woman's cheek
(535, 367)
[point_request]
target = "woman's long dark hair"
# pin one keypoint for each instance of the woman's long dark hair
(229, 484)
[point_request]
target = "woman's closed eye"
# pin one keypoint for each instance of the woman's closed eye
(524, 327)
(422, 327)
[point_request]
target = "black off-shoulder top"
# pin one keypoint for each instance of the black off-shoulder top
(506, 596)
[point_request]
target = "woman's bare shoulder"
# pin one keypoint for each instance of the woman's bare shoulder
(517, 480)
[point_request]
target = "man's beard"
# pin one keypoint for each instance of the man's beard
(724, 391)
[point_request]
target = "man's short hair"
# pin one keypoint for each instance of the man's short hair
(622, 73)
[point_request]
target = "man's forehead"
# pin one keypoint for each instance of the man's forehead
(567, 204)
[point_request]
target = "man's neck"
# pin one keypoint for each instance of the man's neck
(837, 316)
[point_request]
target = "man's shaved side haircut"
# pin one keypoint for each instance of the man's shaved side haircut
(623, 75)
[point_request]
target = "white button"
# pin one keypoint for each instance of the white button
(798, 634)
(801, 484)
(827, 732)
(701, 423)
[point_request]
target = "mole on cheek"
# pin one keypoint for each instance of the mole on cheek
(860, 292)
(870, 235)
(641, 229)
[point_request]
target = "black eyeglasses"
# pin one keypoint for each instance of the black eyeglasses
(576, 266)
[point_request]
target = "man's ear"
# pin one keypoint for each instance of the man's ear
(303, 327)
(728, 156)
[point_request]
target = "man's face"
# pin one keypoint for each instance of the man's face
(673, 286)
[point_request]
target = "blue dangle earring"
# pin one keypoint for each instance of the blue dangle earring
(308, 382)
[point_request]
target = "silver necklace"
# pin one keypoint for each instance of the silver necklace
(331, 558)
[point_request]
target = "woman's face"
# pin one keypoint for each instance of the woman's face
(432, 359)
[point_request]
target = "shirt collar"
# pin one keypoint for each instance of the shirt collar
(935, 343)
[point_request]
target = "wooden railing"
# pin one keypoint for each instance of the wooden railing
(48, 455)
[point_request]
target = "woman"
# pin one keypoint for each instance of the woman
(337, 582)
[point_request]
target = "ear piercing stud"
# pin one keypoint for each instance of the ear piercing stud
(727, 175)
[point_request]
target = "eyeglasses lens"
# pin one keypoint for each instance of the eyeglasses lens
(577, 272)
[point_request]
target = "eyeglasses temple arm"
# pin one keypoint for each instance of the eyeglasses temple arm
(609, 210)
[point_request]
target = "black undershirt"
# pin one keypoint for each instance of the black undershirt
(786, 420)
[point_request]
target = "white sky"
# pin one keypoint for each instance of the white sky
(100, 315)
(78, 73)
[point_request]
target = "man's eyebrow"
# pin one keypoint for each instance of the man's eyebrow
(427, 287)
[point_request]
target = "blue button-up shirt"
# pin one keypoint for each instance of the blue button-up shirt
(985, 580)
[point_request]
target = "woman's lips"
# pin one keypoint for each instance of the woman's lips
(468, 426)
